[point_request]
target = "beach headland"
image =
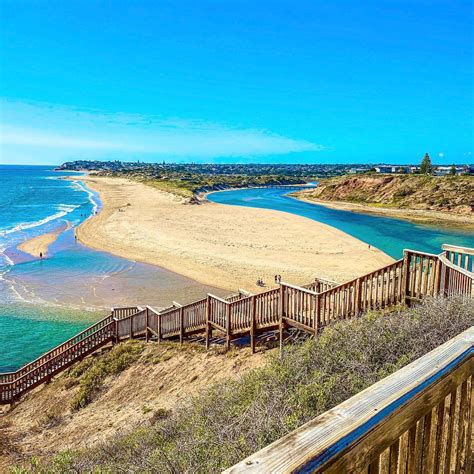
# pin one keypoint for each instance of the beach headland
(438, 200)
(219, 245)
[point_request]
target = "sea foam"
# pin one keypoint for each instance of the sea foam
(63, 210)
(90, 195)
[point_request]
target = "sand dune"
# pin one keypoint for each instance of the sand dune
(219, 245)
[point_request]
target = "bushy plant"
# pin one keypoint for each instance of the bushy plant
(93, 373)
(231, 420)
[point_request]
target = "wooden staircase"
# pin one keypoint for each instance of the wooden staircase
(309, 308)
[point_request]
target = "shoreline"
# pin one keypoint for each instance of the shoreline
(41, 243)
(218, 245)
(421, 216)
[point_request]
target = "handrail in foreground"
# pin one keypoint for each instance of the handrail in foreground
(417, 419)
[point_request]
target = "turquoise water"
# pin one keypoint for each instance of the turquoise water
(387, 234)
(44, 302)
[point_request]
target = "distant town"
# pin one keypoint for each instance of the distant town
(306, 171)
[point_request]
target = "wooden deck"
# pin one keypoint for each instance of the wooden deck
(309, 308)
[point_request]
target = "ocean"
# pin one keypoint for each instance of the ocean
(44, 302)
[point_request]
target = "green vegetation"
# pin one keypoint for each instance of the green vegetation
(231, 420)
(91, 374)
(426, 166)
(188, 184)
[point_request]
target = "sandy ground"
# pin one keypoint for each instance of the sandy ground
(451, 220)
(219, 245)
(41, 243)
(44, 424)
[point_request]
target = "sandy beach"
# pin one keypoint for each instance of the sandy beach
(40, 244)
(224, 246)
(451, 220)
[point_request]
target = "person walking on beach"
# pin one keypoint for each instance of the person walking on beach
(41, 255)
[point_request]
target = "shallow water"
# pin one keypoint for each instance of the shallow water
(44, 302)
(388, 234)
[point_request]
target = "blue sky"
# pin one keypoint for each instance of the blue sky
(225, 81)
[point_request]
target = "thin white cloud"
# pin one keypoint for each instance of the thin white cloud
(66, 132)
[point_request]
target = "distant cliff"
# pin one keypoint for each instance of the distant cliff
(453, 194)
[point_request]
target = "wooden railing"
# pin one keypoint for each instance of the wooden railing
(311, 311)
(419, 419)
(462, 257)
(309, 308)
(44, 369)
(10, 376)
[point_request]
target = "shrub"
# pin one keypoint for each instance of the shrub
(231, 420)
(92, 373)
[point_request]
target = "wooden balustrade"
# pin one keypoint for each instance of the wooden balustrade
(120, 313)
(10, 391)
(320, 284)
(418, 419)
(10, 376)
(423, 274)
(454, 279)
(300, 307)
(462, 257)
(415, 276)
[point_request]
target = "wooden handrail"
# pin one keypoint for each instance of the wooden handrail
(13, 389)
(39, 360)
(351, 436)
(458, 249)
(299, 288)
(449, 264)
(424, 254)
(219, 299)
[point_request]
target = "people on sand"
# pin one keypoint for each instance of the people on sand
(260, 282)
(277, 279)
(41, 255)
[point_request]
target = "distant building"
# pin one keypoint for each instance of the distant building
(393, 169)
(446, 170)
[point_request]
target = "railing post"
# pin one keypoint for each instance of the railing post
(208, 326)
(358, 297)
(228, 328)
(405, 275)
(117, 337)
(317, 313)
(146, 325)
(158, 328)
(181, 325)
(437, 278)
(252, 324)
(281, 310)
(130, 335)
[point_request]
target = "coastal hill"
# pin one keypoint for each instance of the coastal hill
(448, 194)
(452, 196)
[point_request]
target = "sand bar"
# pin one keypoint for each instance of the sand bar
(40, 244)
(220, 245)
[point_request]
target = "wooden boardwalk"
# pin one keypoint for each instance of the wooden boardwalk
(309, 308)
